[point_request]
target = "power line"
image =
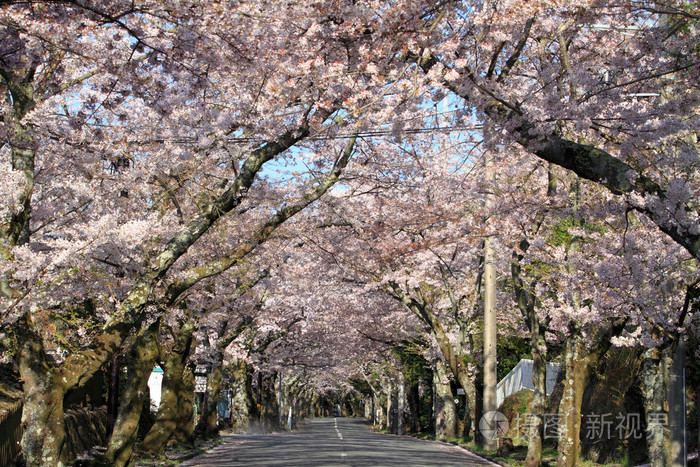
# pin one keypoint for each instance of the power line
(339, 136)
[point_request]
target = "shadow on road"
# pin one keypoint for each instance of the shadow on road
(331, 441)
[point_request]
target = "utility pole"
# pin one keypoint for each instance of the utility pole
(676, 407)
(490, 334)
(402, 403)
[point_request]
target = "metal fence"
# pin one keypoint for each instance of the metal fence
(520, 378)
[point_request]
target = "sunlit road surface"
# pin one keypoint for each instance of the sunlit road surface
(333, 441)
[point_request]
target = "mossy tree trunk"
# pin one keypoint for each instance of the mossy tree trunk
(526, 302)
(446, 416)
(43, 441)
(381, 414)
(143, 355)
(45, 385)
(208, 426)
(655, 369)
(579, 361)
(184, 429)
(389, 389)
(578, 366)
(539, 402)
(44, 438)
(168, 411)
(414, 406)
(454, 361)
(269, 409)
(113, 395)
(243, 406)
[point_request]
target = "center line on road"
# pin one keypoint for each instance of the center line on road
(340, 435)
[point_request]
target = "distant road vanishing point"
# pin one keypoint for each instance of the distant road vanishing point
(333, 442)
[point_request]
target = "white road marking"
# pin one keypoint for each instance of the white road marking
(343, 454)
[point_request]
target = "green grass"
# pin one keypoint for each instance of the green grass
(515, 458)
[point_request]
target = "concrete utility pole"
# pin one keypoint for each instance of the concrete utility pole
(490, 336)
(676, 407)
(402, 404)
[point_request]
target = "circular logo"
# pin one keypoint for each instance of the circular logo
(493, 425)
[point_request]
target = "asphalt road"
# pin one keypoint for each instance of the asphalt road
(331, 442)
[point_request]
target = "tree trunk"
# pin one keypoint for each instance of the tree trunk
(166, 420)
(381, 413)
(539, 402)
(269, 410)
(526, 301)
(44, 438)
(45, 385)
(446, 416)
(389, 408)
(654, 382)
(208, 426)
(414, 405)
(143, 356)
(242, 404)
(578, 369)
(281, 389)
(113, 393)
(453, 360)
(184, 429)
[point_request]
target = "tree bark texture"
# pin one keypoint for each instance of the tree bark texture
(578, 366)
(526, 301)
(44, 438)
(113, 392)
(446, 416)
(184, 429)
(655, 368)
(207, 426)
(168, 411)
(142, 358)
(539, 403)
(243, 408)
(453, 360)
(269, 410)
(390, 425)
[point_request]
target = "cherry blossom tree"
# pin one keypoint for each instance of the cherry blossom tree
(605, 90)
(149, 149)
(152, 81)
